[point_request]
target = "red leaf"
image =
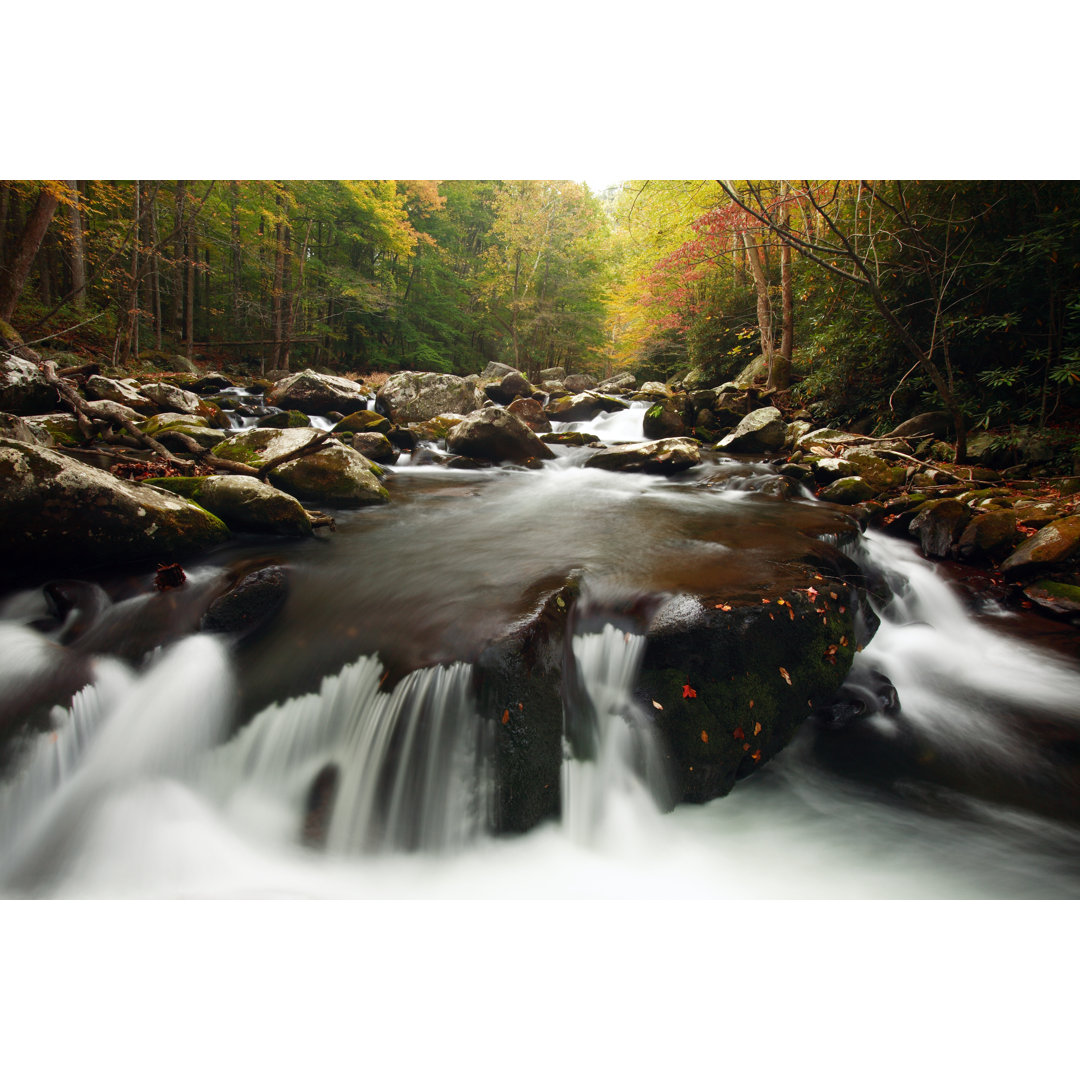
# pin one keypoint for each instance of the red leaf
(688, 691)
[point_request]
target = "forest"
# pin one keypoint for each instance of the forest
(871, 299)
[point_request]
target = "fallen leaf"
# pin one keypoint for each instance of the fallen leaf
(765, 601)
(746, 746)
(757, 729)
(751, 703)
(843, 640)
(704, 736)
(812, 593)
(657, 705)
(688, 691)
(724, 607)
(738, 733)
(756, 755)
(506, 716)
(781, 601)
(787, 677)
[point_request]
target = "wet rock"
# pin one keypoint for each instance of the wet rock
(570, 438)
(57, 429)
(319, 807)
(825, 438)
(121, 391)
(411, 396)
(317, 394)
(826, 470)
(552, 374)
(364, 420)
(244, 503)
(211, 383)
(848, 490)
(438, 427)
(578, 384)
(875, 469)
(63, 514)
(171, 398)
(23, 389)
(1052, 545)
(727, 690)
(512, 385)
(402, 438)
(988, 536)
(163, 426)
(375, 447)
(334, 475)
(662, 456)
(249, 605)
(579, 407)
(496, 435)
(653, 389)
(1055, 596)
(284, 418)
(761, 430)
(802, 474)
(665, 420)
(938, 525)
(531, 413)
(618, 384)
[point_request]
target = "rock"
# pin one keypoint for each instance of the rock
(438, 427)
(795, 431)
(938, 525)
(206, 436)
(171, 397)
(825, 437)
(763, 429)
(756, 371)
(663, 456)
(123, 392)
(531, 413)
(56, 429)
(334, 475)
(23, 389)
(495, 372)
(727, 690)
(828, 469)
(249, 605)
(285, 418)
(317, 394)
(1052, 545)
(496, 435)
(988, 536)
(848, 490)
(364, 420)
(211, 383)
(935, 424)
(512, 385)
(578, 384)
(874, 469)
(61, 514)
(1055, 596)
(244, 503)
(375, 447)
(665, 419)
(570, 438)
(411, 396)
(585, 406)
(618, 384)
(15, 427)
(552, 374)
(653, 390)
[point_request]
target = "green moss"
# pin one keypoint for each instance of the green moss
(1058, 589)
(187, 486)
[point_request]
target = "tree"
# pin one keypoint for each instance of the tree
(13, 277)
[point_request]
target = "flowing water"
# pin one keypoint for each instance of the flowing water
(340, 753)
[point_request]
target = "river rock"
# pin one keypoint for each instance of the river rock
(1056, 596)
(988, 535)
(364, 420)
(727, 689)
(62, 514)
(618, 384)
(411, 396)
(586, 406)
(163, 426)
(57, 429)
(938, 525)
(828, 469)
(848, 490)
(374, 446)
(317, 394)
(1052, 545)
(531, 413)
(495, 372)
(570, 438)
(244, 503)
(665, 420)
(758, 431)
(334, 475)
(496, 435)
(122, 391)
(15, 427)
(249, 605)
(512, 385)
(23, 389)
(552, 374)
(874, 469)
(284, 418)
(172, 398)
(663, 456)
(653, 389)
(578, 384)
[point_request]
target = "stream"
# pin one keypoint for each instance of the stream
(185, 766)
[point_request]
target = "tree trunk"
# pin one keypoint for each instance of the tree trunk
(275, 296)
(179, 251)
(77, 254)
(295, 302)
(190, 248)
(764, 312)
(155, 274)
(780, 378)
(235, 264)
(13, 277)
(5, 203)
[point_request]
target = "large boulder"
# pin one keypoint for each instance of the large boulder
(496, 435)
(618, 384)
(937, 425)
(62, 515)
(412, 396)
(123, 392)
(512, 385)
(585, 406)
(988, 535)
(578, 384)
(939, 524)
(552, 374)
(23, 389)
(1052, 545)
(165, 426)
(317, 394)
(244, 503)
(15, 427)
(663, 456)
(363, 421)
(333, 475)
(759, 431)
(664, 420)
(171, 398)
(530, 412)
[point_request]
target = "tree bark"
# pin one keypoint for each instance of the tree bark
(295, 302)
(179, 251)
(761, 287)
(191, 248)
(77, 254)
(275, 296)
(780, 378)
(13, 278)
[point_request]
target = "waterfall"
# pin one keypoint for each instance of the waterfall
(354, 769)
(619, 765)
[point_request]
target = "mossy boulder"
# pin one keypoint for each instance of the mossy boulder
(663, 456)
(1058, 597)
(988, 536)
(163, 426)
(244, 503)
(496, 435)
(333, 475)
(727, 689)
(316, 394)
(438, 427)
(570, 438)
(121, 391)
(1052, 545)
(66, 517)
(171, 398)
(939, 524)
(665, 419)
(761, 430)
(374, 446)
(364, 420)
(285, 418)
(412, 396)
(849, 490)
(56, 429)
(584, 406)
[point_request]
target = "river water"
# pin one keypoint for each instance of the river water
(185, 766)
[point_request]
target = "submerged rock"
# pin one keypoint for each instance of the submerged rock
(249, 605)
(63, 514)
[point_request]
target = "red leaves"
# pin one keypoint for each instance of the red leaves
(812, 593)
(506, 716)
(738, 733)
(169, 576)
(688, 691)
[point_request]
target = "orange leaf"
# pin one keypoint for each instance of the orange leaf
(688, 691)
(781, 601)
(787, 677)
(746, 746)
(751, 703)
(704, 736)
(506, 716)
(724, 607)
(764, 601)
(756, 755)
(657, 705)
(812, 593)
(738, 733)
(757, 729)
